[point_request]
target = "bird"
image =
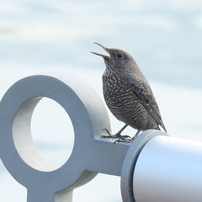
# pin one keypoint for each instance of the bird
(128, 94)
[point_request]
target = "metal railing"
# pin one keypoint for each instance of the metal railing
(154, 168)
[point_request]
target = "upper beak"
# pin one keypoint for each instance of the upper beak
(107, 50)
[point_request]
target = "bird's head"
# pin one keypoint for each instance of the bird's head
(117, 60)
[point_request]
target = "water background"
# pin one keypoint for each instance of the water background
(163, 36)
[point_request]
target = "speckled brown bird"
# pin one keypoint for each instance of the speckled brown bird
(128, 94)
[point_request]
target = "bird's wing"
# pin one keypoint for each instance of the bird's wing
(145, 96)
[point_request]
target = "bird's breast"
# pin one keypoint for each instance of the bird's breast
(122, 101)
(117, 92)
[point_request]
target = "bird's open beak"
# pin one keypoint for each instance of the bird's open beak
(104, 56)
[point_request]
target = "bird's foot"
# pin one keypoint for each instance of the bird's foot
(127, 140)
(124, 140)
(117, 135)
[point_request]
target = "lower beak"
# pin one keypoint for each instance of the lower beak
(104, 56)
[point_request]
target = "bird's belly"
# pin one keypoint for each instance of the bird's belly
(125, 106)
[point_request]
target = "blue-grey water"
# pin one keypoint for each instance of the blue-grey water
(163, 36)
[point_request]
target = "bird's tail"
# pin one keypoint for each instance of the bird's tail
(163, 126)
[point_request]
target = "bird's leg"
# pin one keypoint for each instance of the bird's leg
(128, 140)
(117, 135)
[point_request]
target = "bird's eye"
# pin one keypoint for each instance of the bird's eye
(119, 56)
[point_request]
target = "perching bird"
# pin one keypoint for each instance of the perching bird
(128, 94)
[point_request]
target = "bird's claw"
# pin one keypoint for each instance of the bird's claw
(107, 133)
(125, 140)
(117, 135)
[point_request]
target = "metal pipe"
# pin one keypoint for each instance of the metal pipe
(167, 169)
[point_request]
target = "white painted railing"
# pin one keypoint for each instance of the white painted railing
(155, 167)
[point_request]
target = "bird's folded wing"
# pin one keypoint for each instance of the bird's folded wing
(148, 101)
